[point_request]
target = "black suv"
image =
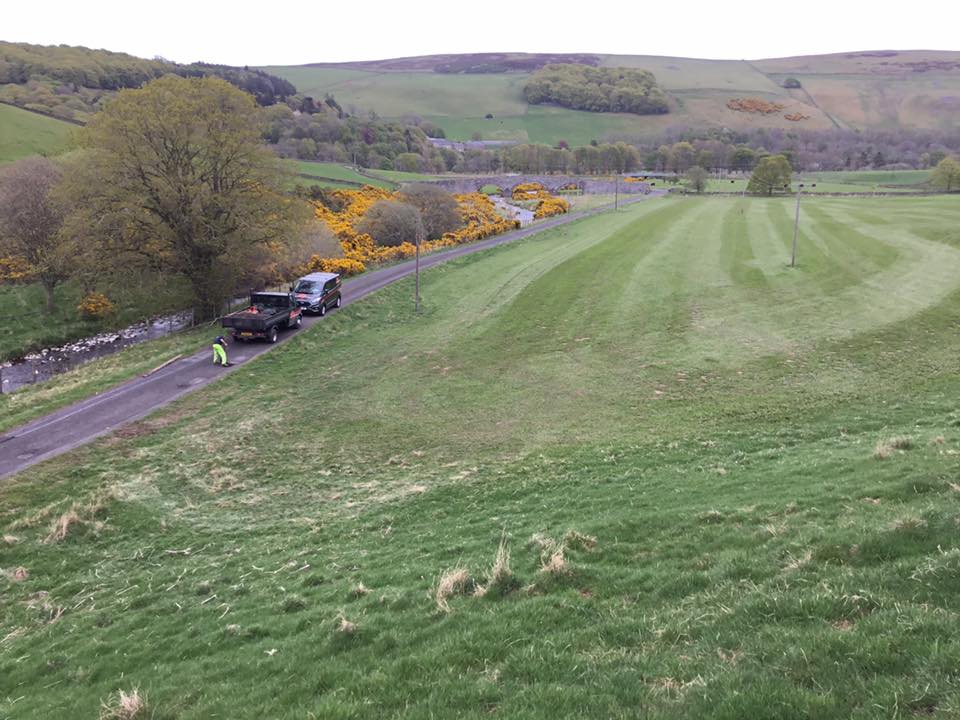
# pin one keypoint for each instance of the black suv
(317, 291)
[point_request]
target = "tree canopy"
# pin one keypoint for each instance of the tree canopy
(175, 174)
(438, 209)
(772, 174)
(946, 175)
(391, 223)
(582, 87)
(30, 222)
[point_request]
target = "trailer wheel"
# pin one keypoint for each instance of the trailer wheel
(272, 334)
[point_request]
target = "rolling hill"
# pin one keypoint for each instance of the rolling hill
(29, 133)
(882, 89)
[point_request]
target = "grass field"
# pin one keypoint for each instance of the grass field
(847, 90)
(728, 490)
(337, 175)
(26, 133)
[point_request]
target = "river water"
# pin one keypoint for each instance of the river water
(43, 365)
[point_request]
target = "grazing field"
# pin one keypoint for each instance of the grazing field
(27, 133)
(335, 175)
(913, 89)
(720, 488)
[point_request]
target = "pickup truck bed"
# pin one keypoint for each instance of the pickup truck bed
(264, 317)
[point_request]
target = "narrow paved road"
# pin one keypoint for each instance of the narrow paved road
(88, 419)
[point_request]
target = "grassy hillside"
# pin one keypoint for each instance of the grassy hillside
(685, 446)
(27, 133)
(856, 90)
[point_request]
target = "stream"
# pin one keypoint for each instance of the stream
(49, 362)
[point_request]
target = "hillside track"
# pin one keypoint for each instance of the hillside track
(80, 423)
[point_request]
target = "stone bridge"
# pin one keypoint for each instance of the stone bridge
(585, 184)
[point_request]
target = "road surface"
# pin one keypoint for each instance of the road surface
(88, 419)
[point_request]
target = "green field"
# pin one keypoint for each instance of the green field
(27, 133)
(335, 175)
(847, 91)
(881, 181)
(765, 456)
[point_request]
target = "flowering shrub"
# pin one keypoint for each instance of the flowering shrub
(478, 214)
(755, 105)
(796, 117)
(530, 191)
(95, 306)
(15, 269)
(551, 206)
(343, 266)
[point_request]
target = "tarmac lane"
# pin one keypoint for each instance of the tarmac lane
(84, 421)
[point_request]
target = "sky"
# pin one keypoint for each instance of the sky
(296, 32)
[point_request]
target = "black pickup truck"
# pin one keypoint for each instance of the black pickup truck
(266, 314)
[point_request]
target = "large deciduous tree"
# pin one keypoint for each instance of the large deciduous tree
(392, 223)
(30, 222)
(176, 174)
(696, 178)
(438, 209)
(772, 174)
(946, 175)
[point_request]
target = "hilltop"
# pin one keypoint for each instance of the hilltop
(887, 89)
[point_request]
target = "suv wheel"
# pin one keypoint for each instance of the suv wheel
(323, 309)
(337, 303)
(272, 334)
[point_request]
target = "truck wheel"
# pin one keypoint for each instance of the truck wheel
(294, 324)
(337, 303)
(323, 309)
(272, 334)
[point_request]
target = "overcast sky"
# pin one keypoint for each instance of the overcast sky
(296, 32)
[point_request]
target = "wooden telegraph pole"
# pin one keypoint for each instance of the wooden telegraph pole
(796, 226)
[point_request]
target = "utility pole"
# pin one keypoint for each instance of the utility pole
(417, 297)
(796, 226)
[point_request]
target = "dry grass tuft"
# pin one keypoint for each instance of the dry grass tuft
(124, 706)
(955, 487)
(798, 562)
(938, 440)
(18, 574)
(576, 540)
(60, 527)
(500, 573)
(886, 448)
(80, 515)
(456, 581)
(556, 563)
(360, 590)
(344, 626)
(910, 522)
(10, 540)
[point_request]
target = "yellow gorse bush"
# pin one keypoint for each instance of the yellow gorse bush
(343, 266)
(15, 269)
(551, 206)
(479, 215)
(530, 191)
(96, 306)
